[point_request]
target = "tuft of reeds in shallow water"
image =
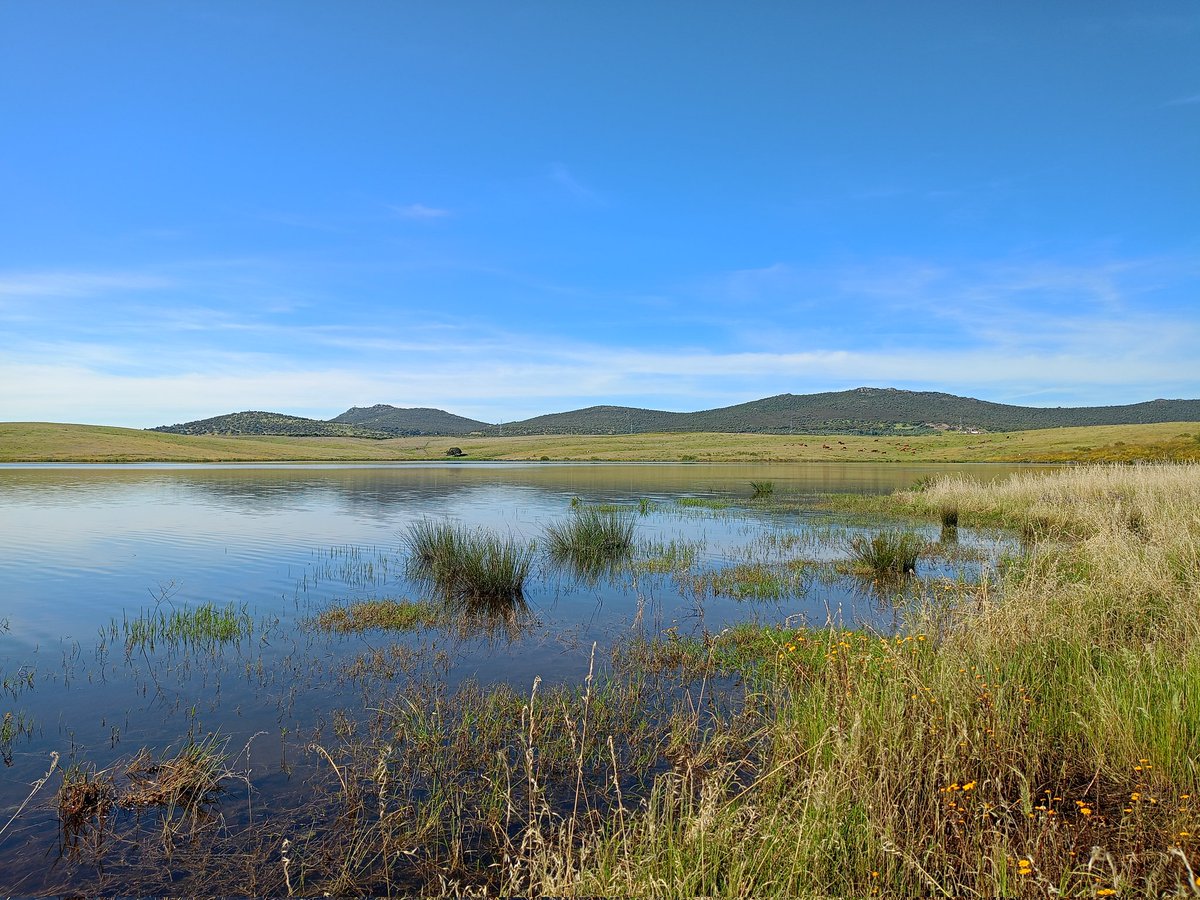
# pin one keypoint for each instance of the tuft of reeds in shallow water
(394, 615)
(185, 781)
(84, 798)
(887, 553)
(592, 541)
(473, 570)
(204, 625)
(762, 489)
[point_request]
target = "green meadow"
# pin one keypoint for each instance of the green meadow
(51, 442)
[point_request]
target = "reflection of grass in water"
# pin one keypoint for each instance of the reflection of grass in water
(203, 625)
(474, 570)
(395, 615)
(592, 541)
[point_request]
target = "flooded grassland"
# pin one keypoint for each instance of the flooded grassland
(597, 679)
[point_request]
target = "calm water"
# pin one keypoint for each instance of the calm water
(84, 548)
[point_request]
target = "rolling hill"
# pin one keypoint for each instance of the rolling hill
(399, 421)
(269, 423)
(865, 410)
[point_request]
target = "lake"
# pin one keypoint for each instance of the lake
(86, 552)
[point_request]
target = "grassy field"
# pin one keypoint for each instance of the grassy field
(51, 442)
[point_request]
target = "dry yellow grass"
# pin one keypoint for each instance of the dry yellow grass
(53, 442)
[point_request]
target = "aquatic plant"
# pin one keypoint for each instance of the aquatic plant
(949, 515)
(84, 797)
(395, 615)
(473, 570)
(181, 782)
(762, 489)
(592, 540)
(701, 503)
(887, 553)
(204, 625)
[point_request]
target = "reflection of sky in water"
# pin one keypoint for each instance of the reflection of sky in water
(81, 547)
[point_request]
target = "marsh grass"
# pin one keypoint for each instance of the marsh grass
(1026, 738)
(205, 625)
(675, 555)
(750, 581)
(886, 554)
(182, 786)
(13, 726)
(474, 571)
(592, 541)
(185, 781)
(85, 797)
(762, 489)
(702, 503)
(386, 614)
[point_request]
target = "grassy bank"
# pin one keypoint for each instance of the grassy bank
(50, 442)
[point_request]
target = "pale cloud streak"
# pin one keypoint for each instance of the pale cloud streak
(419, 211)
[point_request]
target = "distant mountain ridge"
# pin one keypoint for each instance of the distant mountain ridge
(865, 410)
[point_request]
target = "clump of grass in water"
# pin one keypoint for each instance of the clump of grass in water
(185, 781)
(473, 570)
(365, 615)
(84, 797)
(749, 581)
(668, 556)
(701, 503)
(887, 554)
(203, 625)
(592, 540)
(762, 489)
(949, 515)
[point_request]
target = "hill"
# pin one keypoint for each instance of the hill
(268, 423)
(865, 410)
(399, 421)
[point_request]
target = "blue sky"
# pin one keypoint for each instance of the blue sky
(509, 208)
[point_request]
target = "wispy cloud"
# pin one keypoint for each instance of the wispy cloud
(1190, 100)
(572, 185)
(419, 211)
(78, 284)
